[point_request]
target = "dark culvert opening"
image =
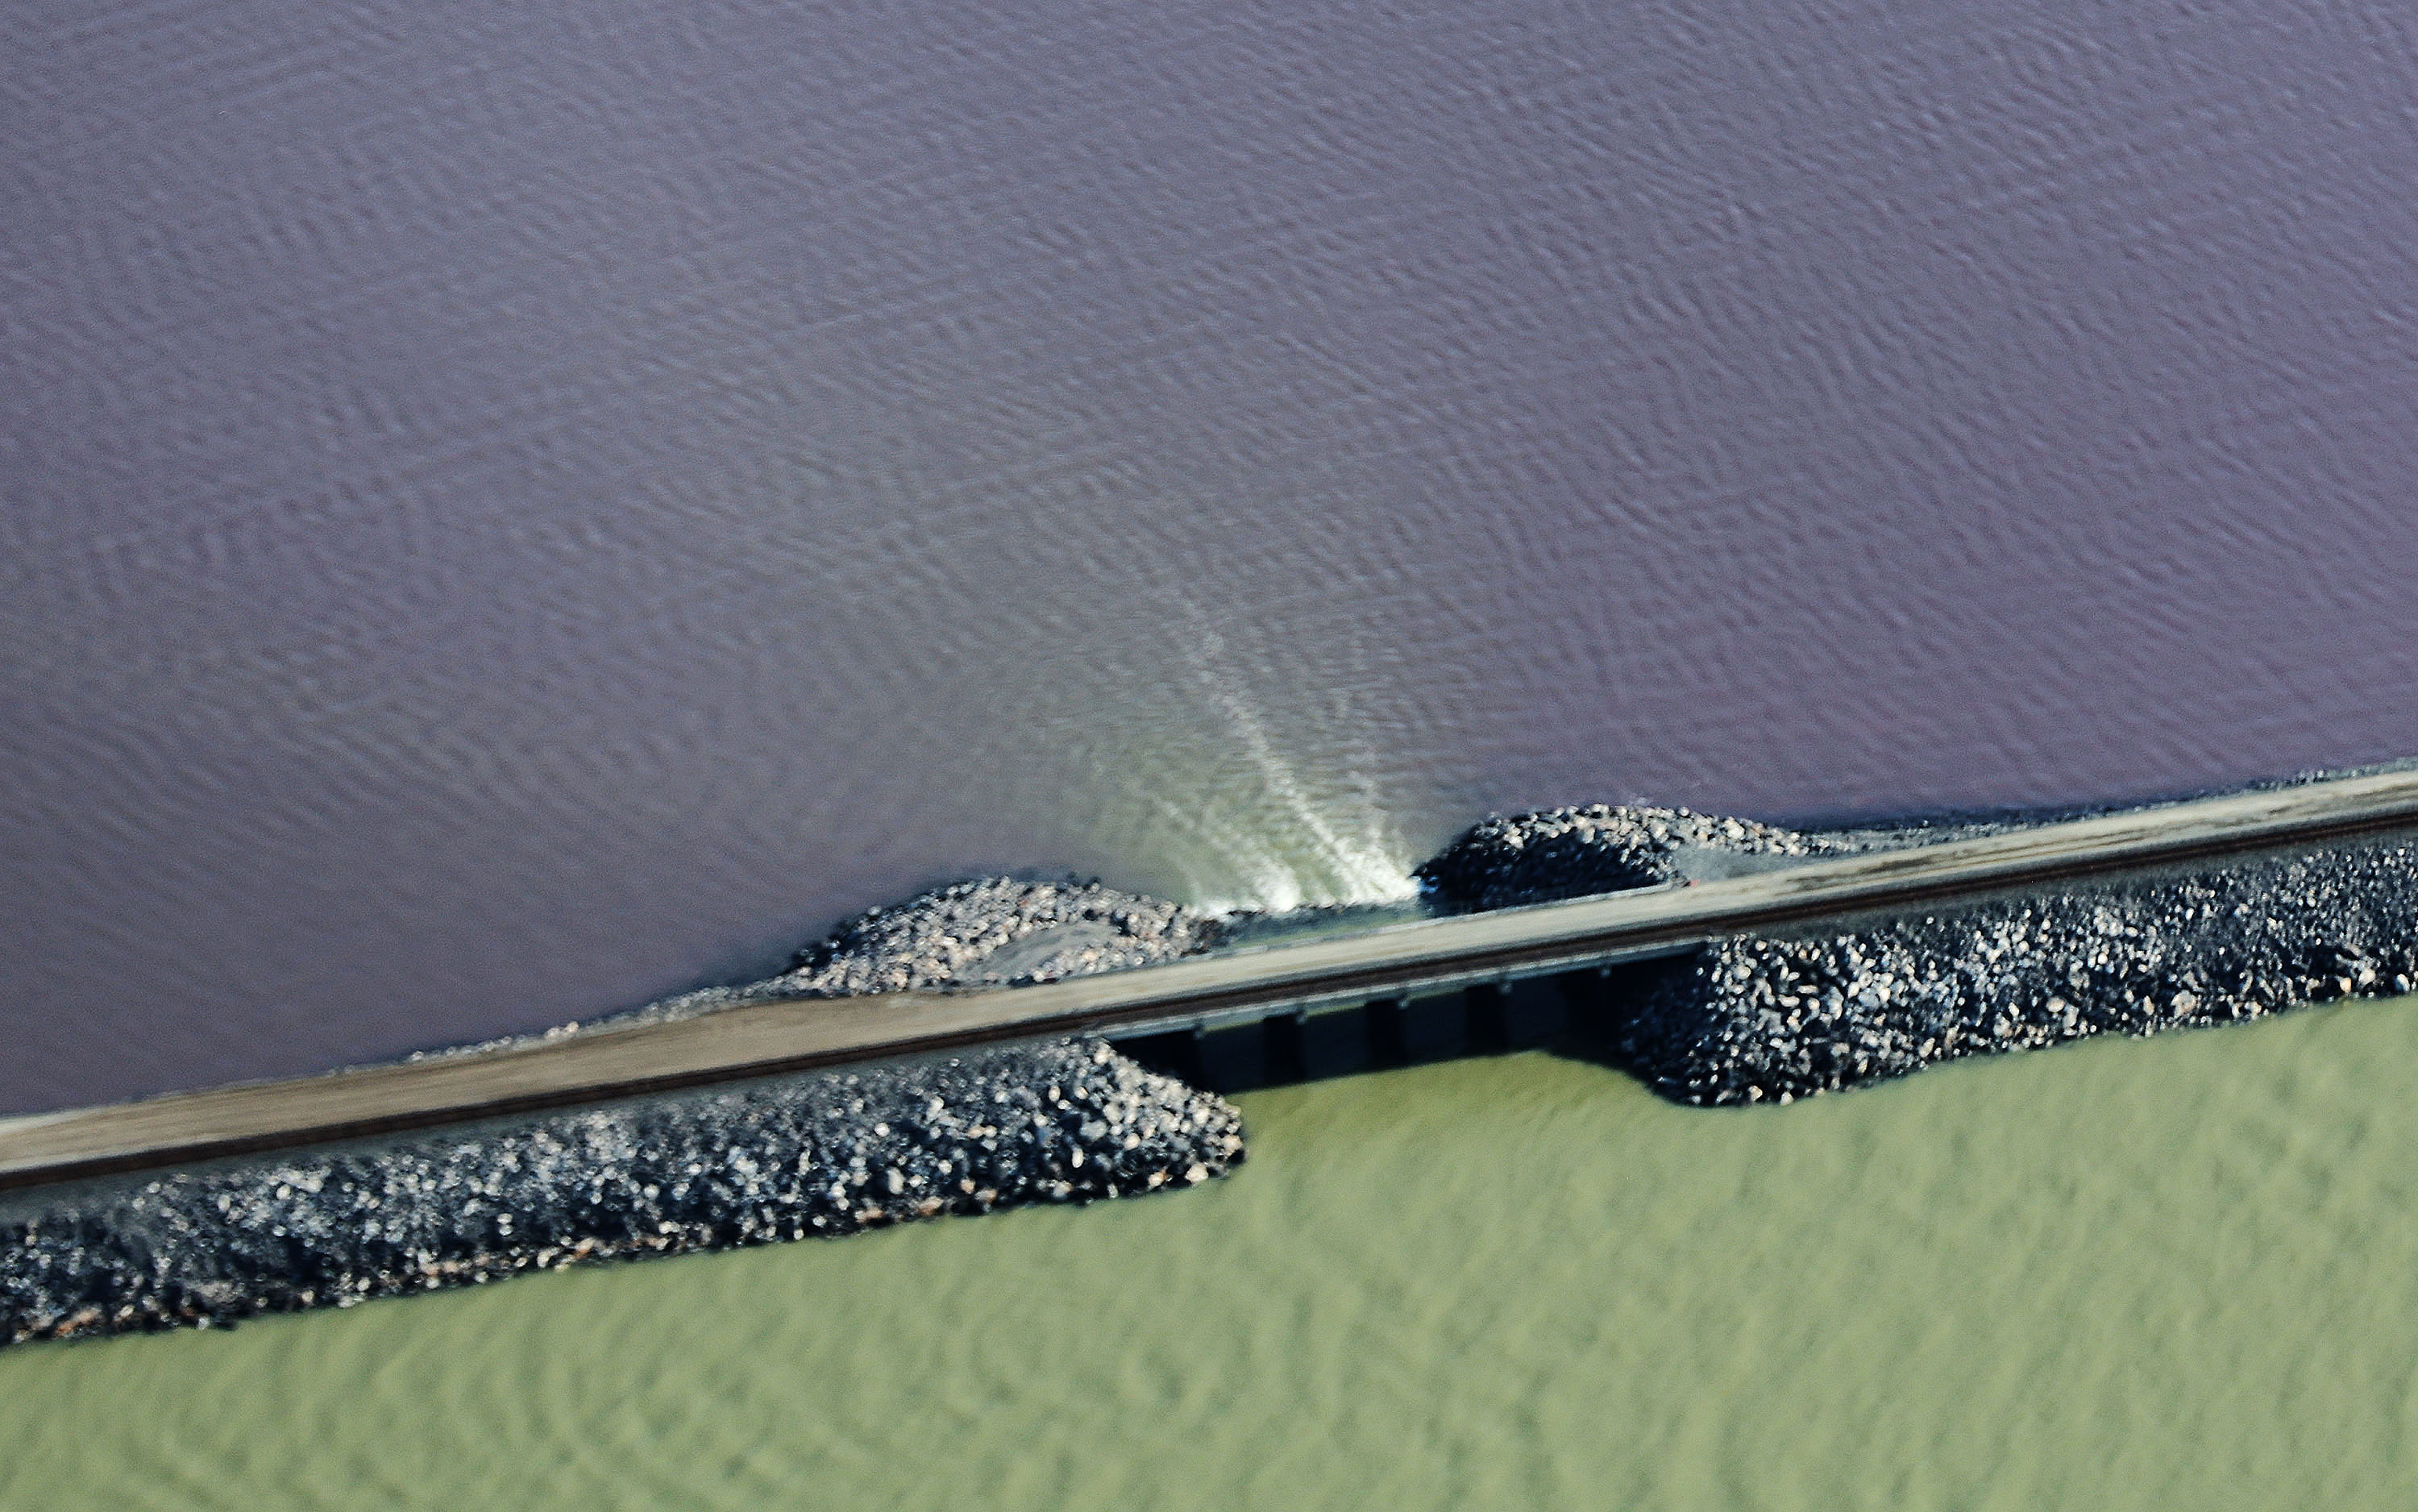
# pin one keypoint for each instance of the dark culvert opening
(1578, 1013)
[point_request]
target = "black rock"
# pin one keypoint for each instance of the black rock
(1778, 1016)
(1773, 1017)
(1573, 852)
(824, 1153)
(793, 1158)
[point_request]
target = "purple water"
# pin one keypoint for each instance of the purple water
(510, 511)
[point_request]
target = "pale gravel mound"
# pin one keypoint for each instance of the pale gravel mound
(992, 931)
(997, 931)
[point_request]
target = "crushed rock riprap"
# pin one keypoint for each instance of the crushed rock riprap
(1756, 1018)
(1774, 1017)
(824, 1153)
(997, 932)
(1573, 852)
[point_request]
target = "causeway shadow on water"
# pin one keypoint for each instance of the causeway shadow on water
(1577, 1014)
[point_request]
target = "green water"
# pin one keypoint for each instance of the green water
(2177, 1273)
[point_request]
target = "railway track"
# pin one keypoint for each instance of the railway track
(1387, 965)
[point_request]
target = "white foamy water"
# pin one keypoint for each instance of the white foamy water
(1295, 847)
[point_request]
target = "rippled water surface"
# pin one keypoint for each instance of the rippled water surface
(2174, 1272)
(509, 511)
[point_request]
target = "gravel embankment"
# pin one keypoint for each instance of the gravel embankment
(815, 1154)
(1758, 1018)
(1571, 852)
(1774, 1017)
(820, 1155)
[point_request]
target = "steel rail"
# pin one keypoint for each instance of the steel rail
(1428, 955)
